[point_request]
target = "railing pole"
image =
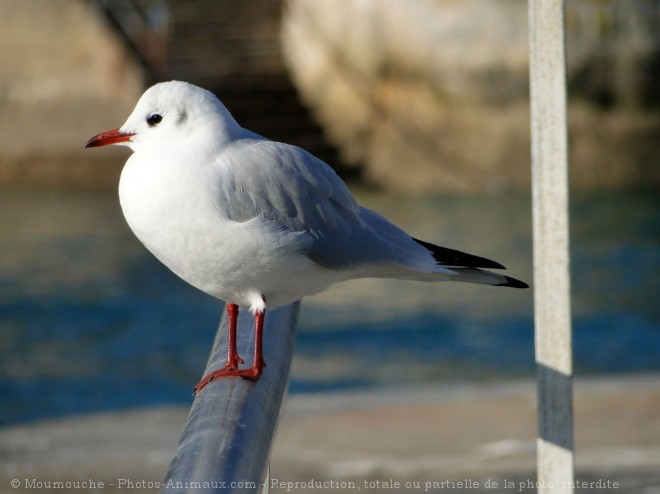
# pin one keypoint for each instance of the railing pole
(226, 440)
(553, 342)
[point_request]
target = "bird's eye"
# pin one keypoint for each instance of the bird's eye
(154, 119)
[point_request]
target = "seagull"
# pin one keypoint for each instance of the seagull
(253, 222)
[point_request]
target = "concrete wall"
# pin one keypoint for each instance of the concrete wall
(65, 77)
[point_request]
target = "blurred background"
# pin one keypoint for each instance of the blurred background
(421, 105)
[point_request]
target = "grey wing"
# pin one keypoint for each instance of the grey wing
(284, 184)
(299, 192)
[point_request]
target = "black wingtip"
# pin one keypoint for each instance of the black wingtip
(514, 283)
(451, 257)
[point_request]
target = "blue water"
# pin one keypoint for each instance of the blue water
(89, 321)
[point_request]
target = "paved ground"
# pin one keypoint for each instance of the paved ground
(477, 438)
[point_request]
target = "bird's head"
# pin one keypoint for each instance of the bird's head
(168, 112)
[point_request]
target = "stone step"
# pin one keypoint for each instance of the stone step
(232, 48)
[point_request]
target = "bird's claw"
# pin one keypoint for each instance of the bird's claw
(251, 374)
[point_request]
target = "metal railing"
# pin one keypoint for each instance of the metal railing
(143, 27)
(226, 440)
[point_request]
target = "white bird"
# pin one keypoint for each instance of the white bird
(254, 222)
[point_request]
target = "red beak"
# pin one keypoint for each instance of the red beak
(109, 137)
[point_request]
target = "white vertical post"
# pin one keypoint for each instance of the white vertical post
(552, 311)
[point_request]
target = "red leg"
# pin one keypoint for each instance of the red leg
(253, 373)
(232, 354)
(258, 364)
(233, 360)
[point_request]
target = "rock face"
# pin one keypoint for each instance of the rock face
(433, 95)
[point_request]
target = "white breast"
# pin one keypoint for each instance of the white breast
(172, 209)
